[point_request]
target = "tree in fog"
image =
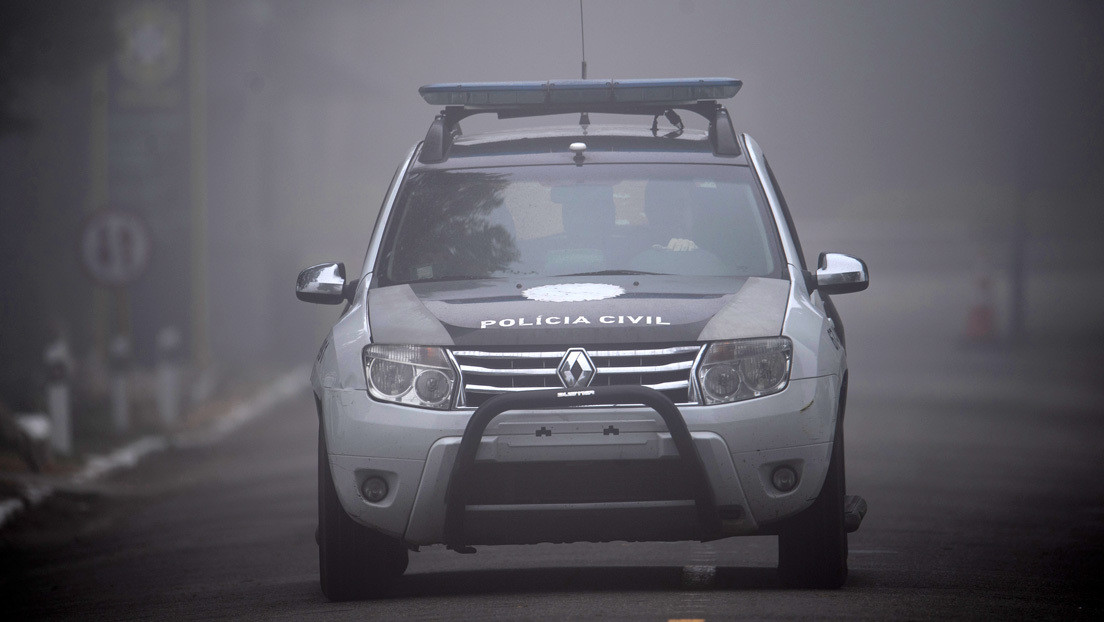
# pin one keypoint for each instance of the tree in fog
(52, 40)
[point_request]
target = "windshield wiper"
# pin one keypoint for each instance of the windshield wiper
(441, 279)
(615, 272)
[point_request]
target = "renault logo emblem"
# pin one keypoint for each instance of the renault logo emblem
(575, 370)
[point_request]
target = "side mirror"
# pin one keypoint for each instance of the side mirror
(841, 274)
(323, 284)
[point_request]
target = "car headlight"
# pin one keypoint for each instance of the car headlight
(412, 375)
(738, 370)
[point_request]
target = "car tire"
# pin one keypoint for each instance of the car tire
(354, 562)
(812, 547)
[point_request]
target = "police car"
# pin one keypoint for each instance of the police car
(590, 333)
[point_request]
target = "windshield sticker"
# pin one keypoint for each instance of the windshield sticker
(570, 320)
(573, 292)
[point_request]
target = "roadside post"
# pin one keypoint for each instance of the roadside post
(119, 354)
(115, 248)
(59, 371)
(168, 375)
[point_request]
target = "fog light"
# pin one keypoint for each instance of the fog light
(784, 478)
(374, 489)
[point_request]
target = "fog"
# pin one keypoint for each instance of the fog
(908, 133)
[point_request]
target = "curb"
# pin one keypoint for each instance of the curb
(261, 403)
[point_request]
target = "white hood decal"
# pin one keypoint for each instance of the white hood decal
(573, 292)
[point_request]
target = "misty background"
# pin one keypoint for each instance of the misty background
(926, 137)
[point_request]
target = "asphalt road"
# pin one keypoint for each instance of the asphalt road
(977, 510)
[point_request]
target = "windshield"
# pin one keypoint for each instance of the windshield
(702, 220)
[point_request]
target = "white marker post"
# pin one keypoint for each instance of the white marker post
(168, 375)
(59, 368)
(115, 249)
(119, 359)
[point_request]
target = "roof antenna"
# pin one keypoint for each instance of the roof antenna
(582, 36)
(584, 118)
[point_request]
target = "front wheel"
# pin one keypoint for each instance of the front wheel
(812, 548)
(353, 561)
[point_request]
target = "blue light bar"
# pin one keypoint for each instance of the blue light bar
(671, 92)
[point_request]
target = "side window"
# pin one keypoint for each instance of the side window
(786, 214)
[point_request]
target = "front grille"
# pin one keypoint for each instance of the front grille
(486, 373)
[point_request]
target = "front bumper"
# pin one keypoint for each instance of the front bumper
(739, 444)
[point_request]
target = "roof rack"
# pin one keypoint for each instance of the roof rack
(530, 99)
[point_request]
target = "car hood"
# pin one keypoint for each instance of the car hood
(579, 310)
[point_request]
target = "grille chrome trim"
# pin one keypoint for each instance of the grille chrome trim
(510, 355)
(669, 386)
(647, 369)
(480, 388)
(524, 371)
(653, 352)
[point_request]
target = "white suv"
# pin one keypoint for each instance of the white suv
(582, 334)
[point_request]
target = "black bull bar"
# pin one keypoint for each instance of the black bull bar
(457, 492)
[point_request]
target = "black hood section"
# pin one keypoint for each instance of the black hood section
(498, 312)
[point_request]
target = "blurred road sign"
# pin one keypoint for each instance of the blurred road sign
(114, 247)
